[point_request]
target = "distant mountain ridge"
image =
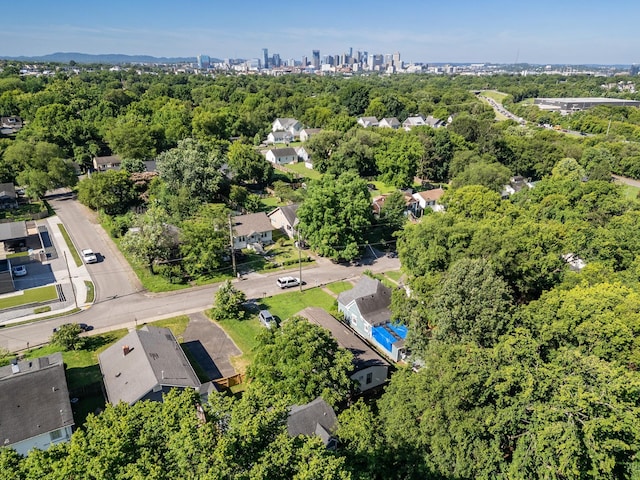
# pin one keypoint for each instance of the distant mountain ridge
(109, 58)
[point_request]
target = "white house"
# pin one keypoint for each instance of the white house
(250, 229)
(290, 125)
(35, 411)
(411, 122)
(110, 162)
(391, 122)
(367, 122)
(304, 156)
(279, 137)
(285, 219)
(430, 199)
(370, 370)
(282, 156)
(307, 133)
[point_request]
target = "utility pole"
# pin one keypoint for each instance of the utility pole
(233, 250)
(299, 259)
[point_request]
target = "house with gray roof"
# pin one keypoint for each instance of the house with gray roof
(366, 309)
(367, 122)
(289, 125)
(253, 228)
(8, 196)
(282, 156)
(35, 411)
(307, 133)
(316, 418)
(285, 219)
(108, 162)
(390, 122)
(370, 370)
(144, 365)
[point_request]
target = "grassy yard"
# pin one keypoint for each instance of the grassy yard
(288, 304)
(82, 365)
(33, 295)
(394, 275)
(339, 287)
(497, 96)
(243, 333)
(631, 192)
(304, 171)
(70, 245)
(90, 291)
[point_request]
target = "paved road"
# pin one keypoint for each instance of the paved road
(626, 181)
(120, 302)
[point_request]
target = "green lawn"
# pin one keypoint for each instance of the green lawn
(33, 295)
(631, 192)
(394, 275)
(288, 304)
(82, 365)
(497, 96)
(177, 325)
(304, 171)
(70, 245)
(339, 287)
(90, 291)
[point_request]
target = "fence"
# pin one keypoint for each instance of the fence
(231, 381)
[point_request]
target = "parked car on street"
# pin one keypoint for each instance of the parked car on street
(286, 282)
(88, 256)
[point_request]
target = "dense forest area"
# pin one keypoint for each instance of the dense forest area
(523, 312)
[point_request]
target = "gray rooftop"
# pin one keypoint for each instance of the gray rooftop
(372, 298)
(247, 225)
(289, 212)
(363, 355)
(13, 230)
(7, 190)
(154, 360)
(314, 418)
(284, 152)
(34, 399)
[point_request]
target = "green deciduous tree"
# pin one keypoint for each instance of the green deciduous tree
(228, 303)
(494, 176)
(204, 240)
(302, 361)
(398, 160)
(335, 214)
(192, 166)
(247, 164)
(111, 191)
(67, 337)
(154, 238)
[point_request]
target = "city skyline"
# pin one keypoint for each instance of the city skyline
(489, 32)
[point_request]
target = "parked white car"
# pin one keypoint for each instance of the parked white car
(286, 282)
(88, 256)
(19, 271)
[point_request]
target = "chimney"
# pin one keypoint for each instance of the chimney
(125, 350)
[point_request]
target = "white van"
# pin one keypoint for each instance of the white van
(286, 282)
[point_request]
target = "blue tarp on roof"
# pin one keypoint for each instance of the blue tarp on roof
(388, 334)
(399, 329)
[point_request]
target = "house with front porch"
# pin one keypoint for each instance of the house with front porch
(253, 228)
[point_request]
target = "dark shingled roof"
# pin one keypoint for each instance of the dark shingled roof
(34, 399)
(155, 359)
(314, 418)
(372, 298)
(284, 152)
(363, 355)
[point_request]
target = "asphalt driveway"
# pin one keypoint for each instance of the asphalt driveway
(210, 346)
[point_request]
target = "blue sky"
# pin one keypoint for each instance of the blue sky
(501, 31)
